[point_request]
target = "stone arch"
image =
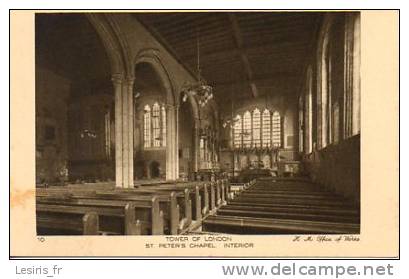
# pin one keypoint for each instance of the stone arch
(111, 44)
(151, 57)
(117, 50)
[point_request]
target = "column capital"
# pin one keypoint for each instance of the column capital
(171, 106)
(129, 80)
(117, 78)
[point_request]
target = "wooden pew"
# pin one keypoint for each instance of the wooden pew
(147, 209)
(251, 225)
(179, 203)
(211, 195)
(227, 190)
(168, 204)
(290, 201)
(218, 191)
(342, 210)
(280, 213)
(115, 217)
(305, 196)
(192, 191)
(52, 219)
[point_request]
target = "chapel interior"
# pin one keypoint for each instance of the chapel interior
(200, 122)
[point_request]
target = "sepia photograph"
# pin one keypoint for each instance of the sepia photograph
(205, 125)
(185, 123)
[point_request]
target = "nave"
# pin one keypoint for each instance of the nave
(266, 206)
(284, 206)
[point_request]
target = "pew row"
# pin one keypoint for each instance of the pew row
(251, 225)
(66, 220)
(117, 216)
(174, 206)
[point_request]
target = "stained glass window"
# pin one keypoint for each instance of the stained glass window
(276, 125)
(266, 134)
(147, 126)
(237, 131)
(247, 129)
(256, 128)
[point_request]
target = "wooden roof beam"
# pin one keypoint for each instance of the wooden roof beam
(239, 43)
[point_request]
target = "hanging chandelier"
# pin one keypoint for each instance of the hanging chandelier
(199, 89)
(230, 122)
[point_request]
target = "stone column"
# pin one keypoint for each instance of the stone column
(130, 132)
(117, 82)
(176, 145)
(356, 107)
(172, 156)
(123, 131)
(125, 139)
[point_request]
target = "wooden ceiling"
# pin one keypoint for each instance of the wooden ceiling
(251, 54)
(68, 44)
(248, 54)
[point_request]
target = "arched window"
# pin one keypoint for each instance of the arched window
(247, 129)
(237, 131)
(266, 123)
(202, 150)
(163, 110)
(156, 125)
(276, 129)
(147, 139)
(154, 129)
(256, 128)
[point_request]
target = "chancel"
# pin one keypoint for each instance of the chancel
(199, 123)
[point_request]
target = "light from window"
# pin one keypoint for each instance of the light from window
(202, 149)
(247, 129)
(156, 125)
(147, 126)
(276, 129)
(266, 136)
(163, 126)
(256, 128)
(237, 131)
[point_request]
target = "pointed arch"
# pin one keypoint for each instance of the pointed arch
(151, 57)
(111, 43)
